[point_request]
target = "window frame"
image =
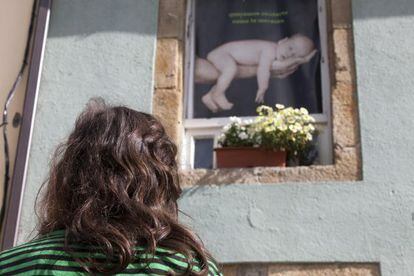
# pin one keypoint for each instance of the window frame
(17, 183)
(210, 127)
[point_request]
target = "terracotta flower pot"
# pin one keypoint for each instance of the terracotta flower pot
(242, 157)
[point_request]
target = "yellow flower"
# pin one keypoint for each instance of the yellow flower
(293, 128)
(283, 127)
(269, 129)
(263, 108)
(304, 111)
(290, 120)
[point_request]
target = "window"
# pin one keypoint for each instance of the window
(239, 23)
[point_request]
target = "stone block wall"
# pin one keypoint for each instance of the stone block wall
(168, 101)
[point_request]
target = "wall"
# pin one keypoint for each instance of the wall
(94, 48)
(365, 221)
(14, 26)
(320, 222)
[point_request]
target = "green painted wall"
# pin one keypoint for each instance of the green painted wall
(107, 49)
(94, 48)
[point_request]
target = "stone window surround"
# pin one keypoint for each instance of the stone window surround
(305, 269)
(168, 102)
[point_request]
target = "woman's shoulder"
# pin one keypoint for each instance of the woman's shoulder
(52, 241)
(180, 263)
(47, 253)
(25, 257)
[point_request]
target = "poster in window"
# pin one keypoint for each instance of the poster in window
(252, 52)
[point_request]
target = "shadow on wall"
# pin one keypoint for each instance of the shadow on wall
(89, 15)
(363, 9)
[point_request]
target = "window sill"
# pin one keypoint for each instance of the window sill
(346, 168)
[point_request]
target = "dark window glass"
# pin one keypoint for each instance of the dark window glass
(203, 155)
(231, 37)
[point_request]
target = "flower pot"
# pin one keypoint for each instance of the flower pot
(242, 157)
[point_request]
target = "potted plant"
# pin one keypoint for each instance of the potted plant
(267, 140)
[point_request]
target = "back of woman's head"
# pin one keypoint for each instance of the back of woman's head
(114, 184)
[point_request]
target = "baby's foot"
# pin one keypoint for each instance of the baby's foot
(207, 99)
(222, 101)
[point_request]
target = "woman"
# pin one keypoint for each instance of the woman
(110, 204)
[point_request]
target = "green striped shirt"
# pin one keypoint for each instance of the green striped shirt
(46, 256)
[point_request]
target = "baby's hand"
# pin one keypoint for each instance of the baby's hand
(288, 73)
(309, 56)
(260, 96)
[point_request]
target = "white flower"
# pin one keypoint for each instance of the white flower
(298, 126)
(304, 111)
(289, 111)
(293, 128)
(283, 127)
(251, 130)
(226, 127)
(280, 106)
(235, 119)
(243, 135)
(263, 109)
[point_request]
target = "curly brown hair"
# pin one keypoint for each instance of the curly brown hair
(114, 185)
